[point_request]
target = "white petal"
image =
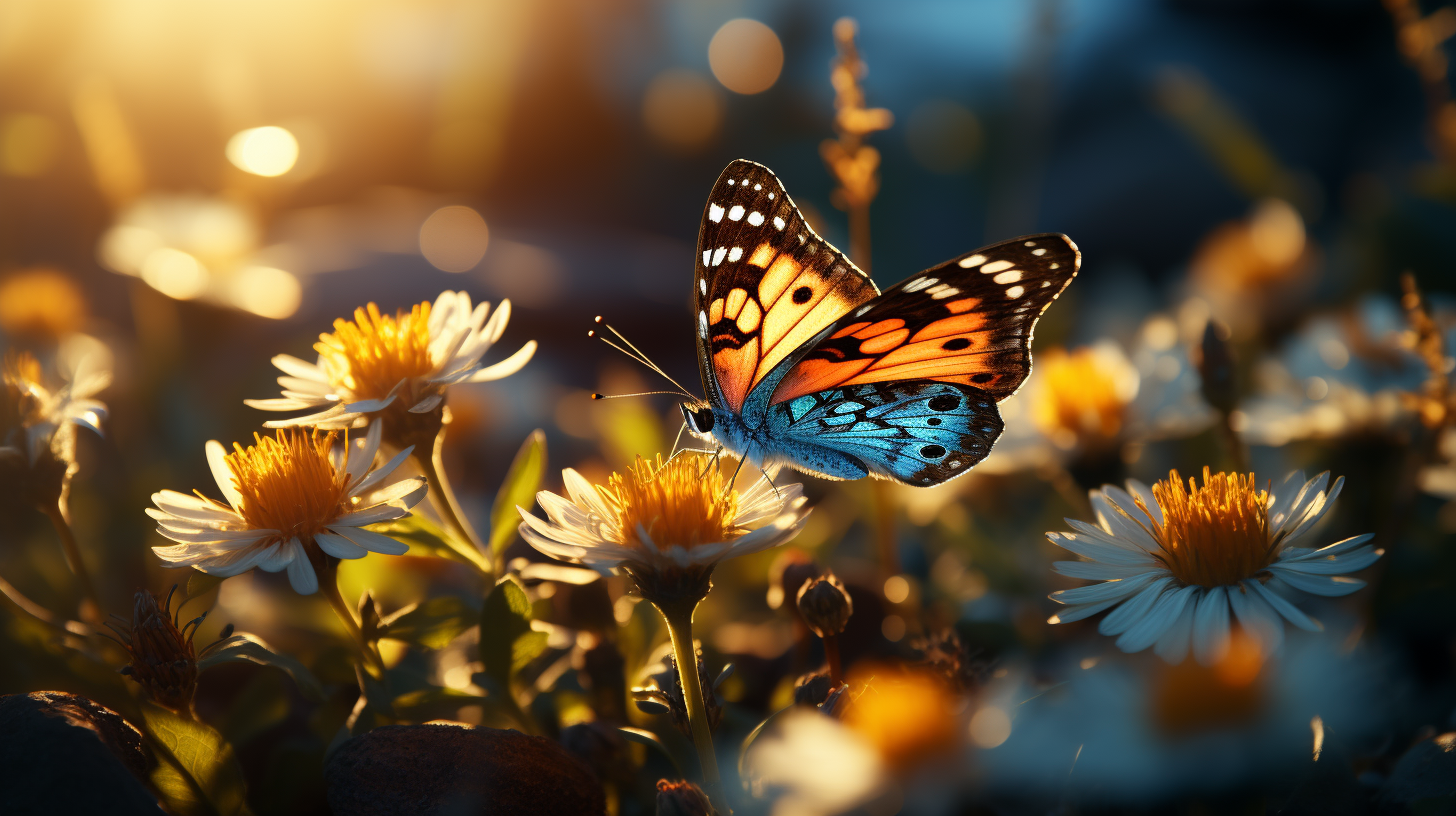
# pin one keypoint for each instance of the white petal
(427, 404)
(300, 571)
(192, 507)
(372, 541)
(338, 546)
(1332, 586)
(506, 367)
(1077, 612)
(1289, 611)
(582, 493)
(362, 452)
(1157, 620)
(1257, 617)
(403, 493)
(277, 404)
(1173, 645)
(289, 364)
(1211, 626)
(378, 474)
(1087, 547)
(496, 326)
(1105, 591)
(1094, 571)
(217, 460)
(1135, 608)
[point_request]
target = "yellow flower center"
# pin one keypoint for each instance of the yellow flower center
(288, 482)
(370, 354)
(1214, 535)
(1079, 397)
(677, 503)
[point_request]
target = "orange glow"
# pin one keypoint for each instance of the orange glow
(1189, 698)
(907, 715)
(746, 56)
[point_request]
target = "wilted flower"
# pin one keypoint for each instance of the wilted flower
(1174, 558)
(292, 501)
(163, 661)
(397, 368)
(38, 447)
(666, 524)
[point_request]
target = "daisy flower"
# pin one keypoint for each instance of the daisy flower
(667, 525)
(294, 501)
(398, 367)
(664, 524)
(1175, 558)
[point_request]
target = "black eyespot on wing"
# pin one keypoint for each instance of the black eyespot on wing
(932, 451)
(982, 377)
(956, 344)
(933, 421)
(802, 294)
(944, 402)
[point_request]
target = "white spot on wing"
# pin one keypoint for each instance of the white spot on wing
(1038, 252)
(974, 260)
(707, 257)
(920, 283)
(731, 182)
(1009, 276)
(718, 255)
(778, 223)
(989, 269)
(944, 291)
(703, 286)
(703, 323)
(1015, 292)
(715, 213)
(1030, 243)
(735, 213)
(1055, 266)
(734, 254)
(755, 218)
(862, 310)
(758, 186)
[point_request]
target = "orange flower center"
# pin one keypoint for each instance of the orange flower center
(1079, 397)
(677, 502)
(372, 353)
(288, 482)
(1214, 535)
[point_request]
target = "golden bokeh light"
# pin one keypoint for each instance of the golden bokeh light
(266, 291)
(990, 727)
(682, 109)
(746, 56)
(454, 238)
(174, 273)
(42, 303)
(263, 151)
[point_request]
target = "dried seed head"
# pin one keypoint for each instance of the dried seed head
(163, 662)
(682, 798)
(825, 605)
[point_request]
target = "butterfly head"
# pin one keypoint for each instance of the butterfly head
(698, 417)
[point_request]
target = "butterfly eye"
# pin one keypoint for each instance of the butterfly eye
(699, 420)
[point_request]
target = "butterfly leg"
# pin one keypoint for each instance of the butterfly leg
(770, 481)
(728, 488)
(717, 453)
(673, 453)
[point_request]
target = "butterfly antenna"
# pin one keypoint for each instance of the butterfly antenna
(638, 394)
(637, 355)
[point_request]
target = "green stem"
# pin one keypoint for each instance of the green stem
(60, 518)
(680, 628)
(330, 586)
(442, 498)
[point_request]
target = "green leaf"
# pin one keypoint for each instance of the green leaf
(196, 772)
(651, 740)
(425, 538)
(432, 624)
(248, 648)
(519, 489)
(505, 620)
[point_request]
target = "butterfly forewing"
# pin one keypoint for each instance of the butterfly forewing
(968, 321)
(765, 283)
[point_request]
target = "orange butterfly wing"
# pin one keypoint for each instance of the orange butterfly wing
(967, 321)
(765, 283)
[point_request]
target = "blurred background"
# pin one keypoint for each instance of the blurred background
(190, 188)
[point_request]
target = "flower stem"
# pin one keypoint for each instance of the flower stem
(40, 613)
(442, 498)
(831, 654)
(60, 517)
(330, 586)
(680, 628)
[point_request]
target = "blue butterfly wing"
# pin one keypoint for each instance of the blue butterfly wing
(917, 432)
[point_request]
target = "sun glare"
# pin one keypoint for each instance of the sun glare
(263, 151)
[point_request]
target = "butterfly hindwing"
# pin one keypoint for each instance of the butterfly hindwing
(919, 432)
(764, 285)
(967, 321)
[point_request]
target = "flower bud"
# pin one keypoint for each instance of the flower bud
(682, 798)
(1216, 368)
(825, 605)
(162, 659)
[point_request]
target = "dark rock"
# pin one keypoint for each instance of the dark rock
(452, 770)
(60, 753)
(1426, 772)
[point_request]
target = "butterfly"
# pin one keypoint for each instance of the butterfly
(806, 363)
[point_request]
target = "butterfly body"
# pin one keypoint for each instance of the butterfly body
(805, 363)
